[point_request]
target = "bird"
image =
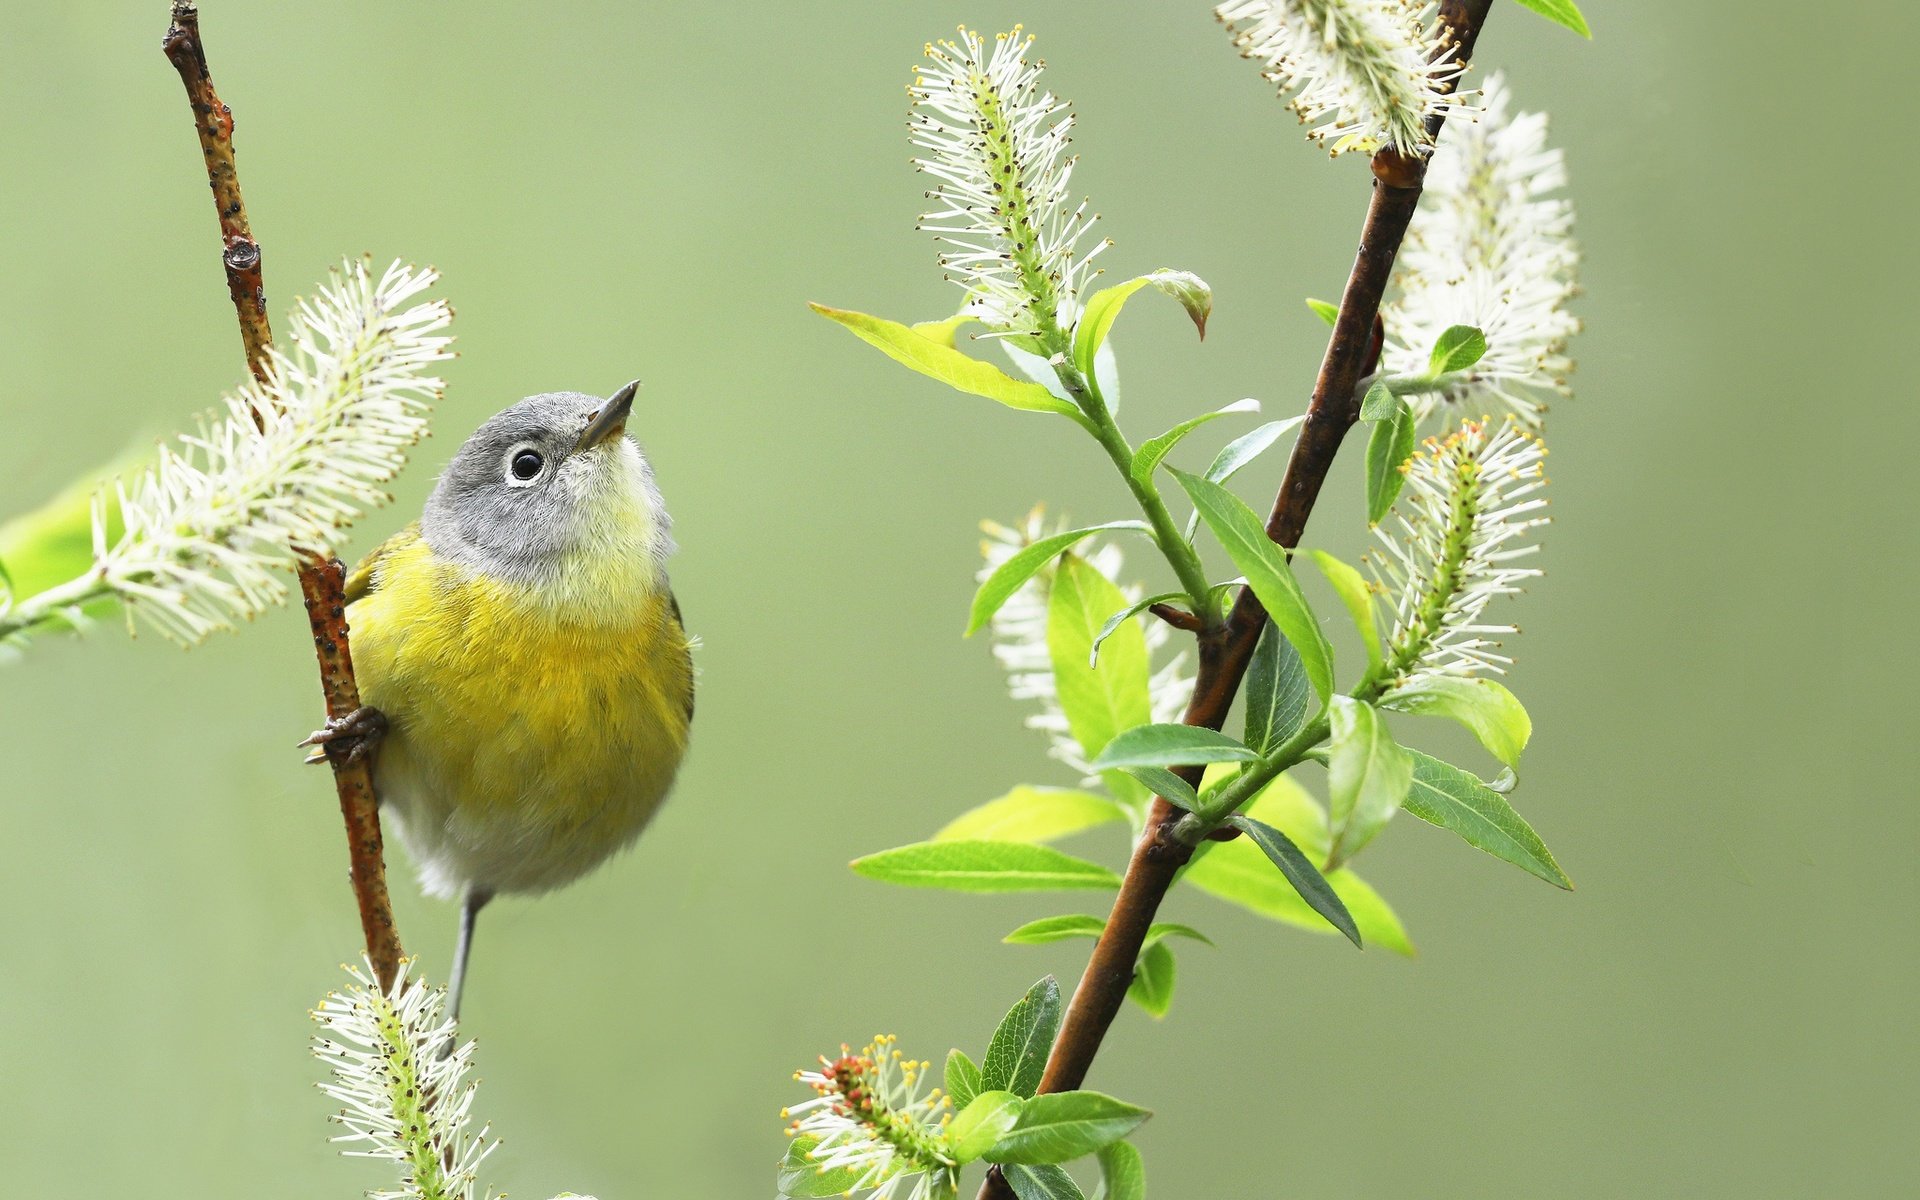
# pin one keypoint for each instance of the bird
(526, 676)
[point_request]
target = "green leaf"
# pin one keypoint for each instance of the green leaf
(977, 866)
(53, 544)
(943, 331)
(962, 1078)
(1011, 575)
(1560, 12)
(1122, 1175)
(1062, 1126)
(1368, 775)
(1357, 596)
(1458, 348)
(1379, 403)
(1330, 313)
(1163, 782)
(1276, 692)
(800, 1175)
(1099, 701)
(1104, 307)
(1031, 814)
(1041, 370)
(1494, 714)
(1153, 451)
(1377, 921)
(1247, 447)
(1240, 873)
(1162, 930)
(1265, 566)
(1066, 928)
(1043, 1181)
(1300, 872)
(981, 1123)
(942, 362)
(1055, 929)
(1017, 1055)
(1153, 979)
(1446, 796)
(1116, 620)
(1390, 445)
(1170, 746)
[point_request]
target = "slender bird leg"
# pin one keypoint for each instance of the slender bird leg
(350, 738)
(470, 906)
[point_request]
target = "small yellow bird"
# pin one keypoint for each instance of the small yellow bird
(527, 678)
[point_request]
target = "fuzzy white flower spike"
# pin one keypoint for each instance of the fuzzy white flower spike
(1365, 74)
(1491, 246)
(995, 142)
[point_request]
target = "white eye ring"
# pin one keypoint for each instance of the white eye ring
(514, 462)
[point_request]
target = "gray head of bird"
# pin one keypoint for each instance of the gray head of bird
(552, 494)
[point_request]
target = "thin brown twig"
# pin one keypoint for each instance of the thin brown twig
(1224, 652)
(321, 583)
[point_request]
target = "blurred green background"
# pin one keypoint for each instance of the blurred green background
(1716, 662)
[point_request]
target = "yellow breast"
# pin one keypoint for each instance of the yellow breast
(529, 739)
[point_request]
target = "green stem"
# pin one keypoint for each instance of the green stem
(1179, 552)
(1416, 385)
(46, 606)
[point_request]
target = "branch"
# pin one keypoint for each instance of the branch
(321, 583)
(1225, 653)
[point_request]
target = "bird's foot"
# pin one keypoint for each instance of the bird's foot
(351, 738)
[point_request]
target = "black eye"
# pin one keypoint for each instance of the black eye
(527, 464)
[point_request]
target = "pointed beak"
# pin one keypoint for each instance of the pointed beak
(610, 422)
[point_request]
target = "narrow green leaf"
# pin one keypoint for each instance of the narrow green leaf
(1368, 775)
(1066, 928)
(1162, 930)
(976, 866)
(1130, 611)
(1162, 782)
(962, 1078)
(1106, 373)
(1560, 12)
(1031, 814)
(1390, 445)
(1240, 873)
(1265, 566)
(1456, 349)
(1153, 980)
(1377, 921)
(945, 331)
(1100, 701)
(800, 1175)
(1042, 1181)
(1017, 1055)
(1276, 692)
(1300, 872)
(1494, 714)
(1011, 575)
(942, 362)
(1330, 313)
(1379, 403)
(1247, 447)
(981, 1123)
(1055, 929)
(1170, 746)
(1446, 796)
(1103, 308)
(1062, 1126)
(1153, 451)
(1357, 595)
(1122, 1175)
